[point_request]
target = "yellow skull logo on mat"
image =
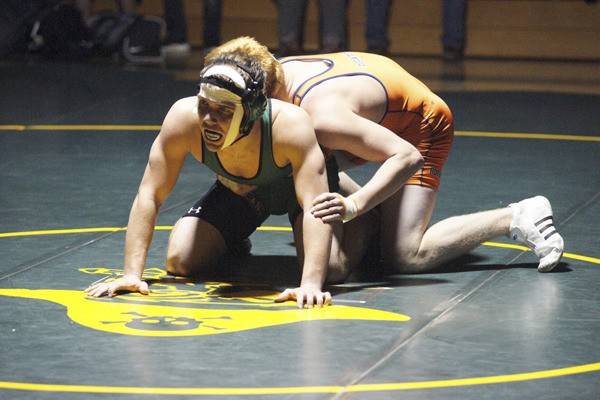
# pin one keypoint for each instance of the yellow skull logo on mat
(180, 308)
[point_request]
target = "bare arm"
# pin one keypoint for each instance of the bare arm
(166, 159)
(339, 128)
(310, 179)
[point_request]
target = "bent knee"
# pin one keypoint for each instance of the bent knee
(179, 266)
(337, 272)
(188, 264)
(400, 262)
(183, 259)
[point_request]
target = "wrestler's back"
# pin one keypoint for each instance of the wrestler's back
(370, 84)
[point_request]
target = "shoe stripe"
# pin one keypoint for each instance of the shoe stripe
(544, 220)
(545, 228)
(550, 234)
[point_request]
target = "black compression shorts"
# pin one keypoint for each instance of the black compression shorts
(237, 217)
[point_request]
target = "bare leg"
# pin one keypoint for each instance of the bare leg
(350, 240)
(349, 245)
(347, 185)
(194, 244)
(409, 246)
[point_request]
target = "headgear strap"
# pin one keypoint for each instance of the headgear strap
(225, 92)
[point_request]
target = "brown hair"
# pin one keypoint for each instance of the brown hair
(253, 55)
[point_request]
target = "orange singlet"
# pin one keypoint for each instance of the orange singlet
(413, 112)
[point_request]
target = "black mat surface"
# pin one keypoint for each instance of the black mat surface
(487, 326)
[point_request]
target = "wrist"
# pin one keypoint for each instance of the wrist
(312, 279)
(132, 275)
(350, 207)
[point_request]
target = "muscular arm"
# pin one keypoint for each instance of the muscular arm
(159, 178)
(299, 145)
(166, 159)
(339, 128)
(310, 179)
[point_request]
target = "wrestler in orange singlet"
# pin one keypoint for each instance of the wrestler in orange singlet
(370, 108)
(413, 112)
(367, 107)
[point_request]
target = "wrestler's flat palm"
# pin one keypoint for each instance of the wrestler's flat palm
(129, 283)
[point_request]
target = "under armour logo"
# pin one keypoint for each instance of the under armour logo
(195, 210)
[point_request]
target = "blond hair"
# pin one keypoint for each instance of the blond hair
(247, 51)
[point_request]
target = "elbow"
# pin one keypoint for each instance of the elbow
(419, 161)
(413, 159)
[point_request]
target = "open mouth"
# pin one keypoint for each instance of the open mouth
(212, 135)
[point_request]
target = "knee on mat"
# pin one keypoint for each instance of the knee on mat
(337, 272)
(176, 266)
(188, 265)
(402, 263)
(182, 264)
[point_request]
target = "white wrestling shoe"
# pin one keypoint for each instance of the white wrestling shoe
(533, 226)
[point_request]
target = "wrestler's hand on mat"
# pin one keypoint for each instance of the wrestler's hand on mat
(305, 295)
(130, 283)
(334, 207)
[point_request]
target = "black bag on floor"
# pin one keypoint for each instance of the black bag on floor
(108, 30)
(136, 38)
(15, 21)
(44, 26)
(59, 32)
(144, 41)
